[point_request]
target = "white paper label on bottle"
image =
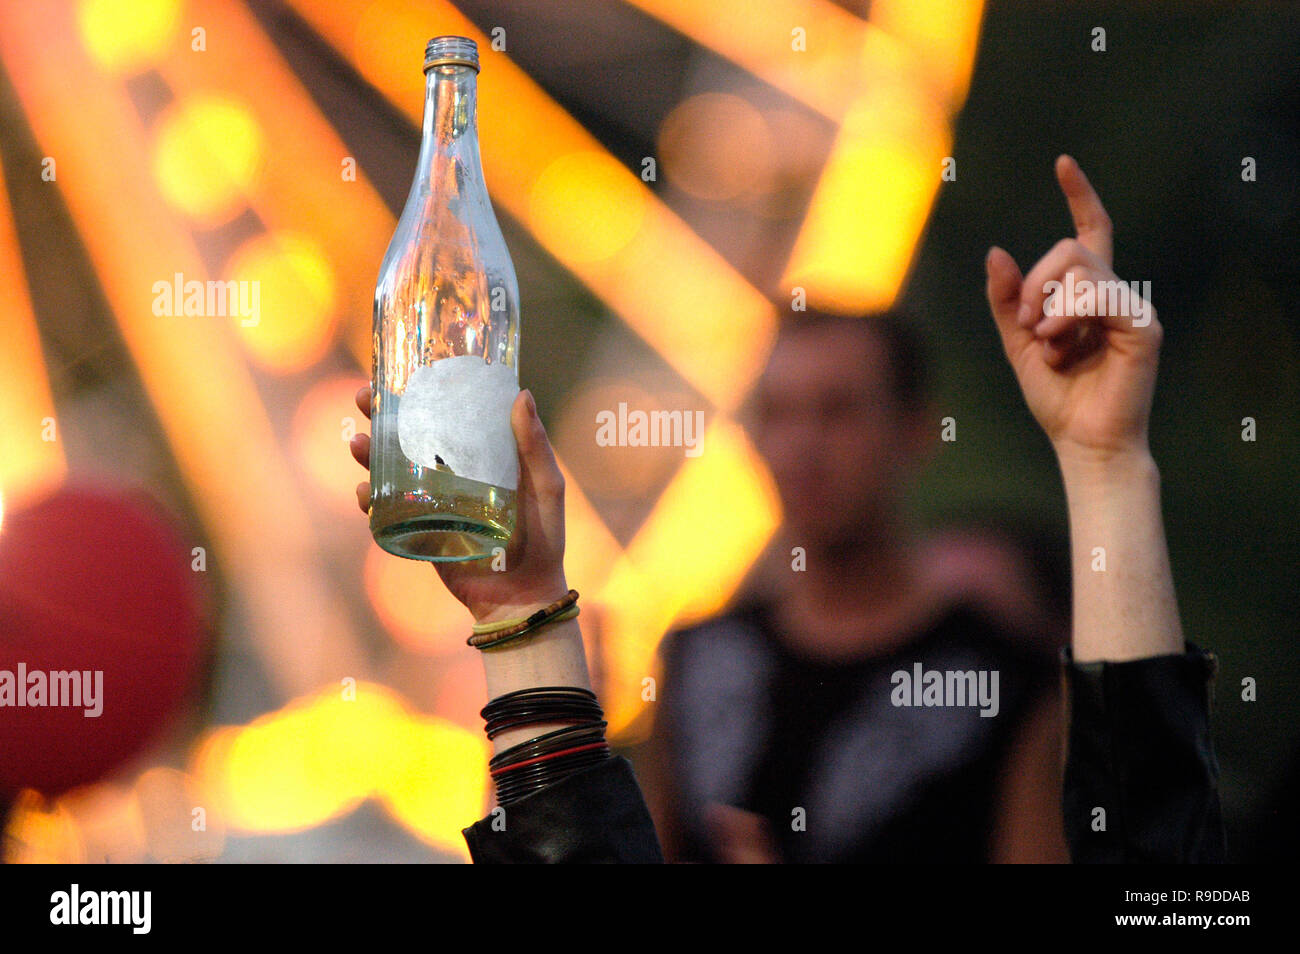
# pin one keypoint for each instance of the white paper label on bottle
(457, 410)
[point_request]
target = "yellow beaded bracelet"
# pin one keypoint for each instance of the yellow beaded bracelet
(489, 635)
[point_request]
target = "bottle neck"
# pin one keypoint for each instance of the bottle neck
(449, 157)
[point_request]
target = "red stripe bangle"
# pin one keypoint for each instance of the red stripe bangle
(552, 755)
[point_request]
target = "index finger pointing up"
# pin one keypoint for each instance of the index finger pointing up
(1091, 222)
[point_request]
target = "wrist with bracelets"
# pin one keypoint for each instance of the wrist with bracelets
(532, 765)
(577, 743)
(491, 635)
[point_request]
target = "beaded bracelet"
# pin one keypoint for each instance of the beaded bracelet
(491, 635)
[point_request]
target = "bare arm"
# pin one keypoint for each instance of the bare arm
(1089, 379)
(1128, 609)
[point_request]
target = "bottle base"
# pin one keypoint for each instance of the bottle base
(440, 540)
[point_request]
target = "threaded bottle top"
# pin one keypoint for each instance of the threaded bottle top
(451, 51)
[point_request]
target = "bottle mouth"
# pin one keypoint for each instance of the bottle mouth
(451, 51)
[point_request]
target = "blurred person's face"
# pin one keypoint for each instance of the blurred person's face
(833, 432)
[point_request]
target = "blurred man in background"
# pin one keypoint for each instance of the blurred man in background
(779, 735)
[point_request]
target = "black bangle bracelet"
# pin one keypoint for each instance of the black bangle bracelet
(550, 742)
(541, 712)
(538, 705)
(534, 692)
(497, 728)
(548, 768)
(554, 706)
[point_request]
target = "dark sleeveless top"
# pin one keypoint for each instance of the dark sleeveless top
(822, 746)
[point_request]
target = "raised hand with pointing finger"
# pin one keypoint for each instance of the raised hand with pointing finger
(1088, 378)
(1088, 375)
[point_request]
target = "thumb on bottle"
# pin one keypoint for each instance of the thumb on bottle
(536, 456)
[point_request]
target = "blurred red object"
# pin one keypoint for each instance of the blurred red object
(93, 580)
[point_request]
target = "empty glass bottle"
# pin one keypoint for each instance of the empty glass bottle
(443, 464)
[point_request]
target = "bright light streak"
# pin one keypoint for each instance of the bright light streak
(943, 35)
(871, 203)
(319, 757)
(874, 196)
(30, 465)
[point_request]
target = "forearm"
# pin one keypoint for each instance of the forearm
(1124, 602)
(553, 656)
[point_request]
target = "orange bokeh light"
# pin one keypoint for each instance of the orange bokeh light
(717, 146)
(589, 204)
(413, 604)
(125, 35)
(326, 419)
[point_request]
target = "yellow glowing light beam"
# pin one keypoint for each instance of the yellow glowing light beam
(874, 196)
(871, 203)
(30, 464)
(321, 756)
(943, 35)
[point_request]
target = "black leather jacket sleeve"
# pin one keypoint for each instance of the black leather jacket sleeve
(596, 815)
(1141, 779)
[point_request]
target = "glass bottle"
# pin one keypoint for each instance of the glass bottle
(443, 464)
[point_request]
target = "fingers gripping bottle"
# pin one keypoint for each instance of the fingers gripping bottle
(443, 462)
